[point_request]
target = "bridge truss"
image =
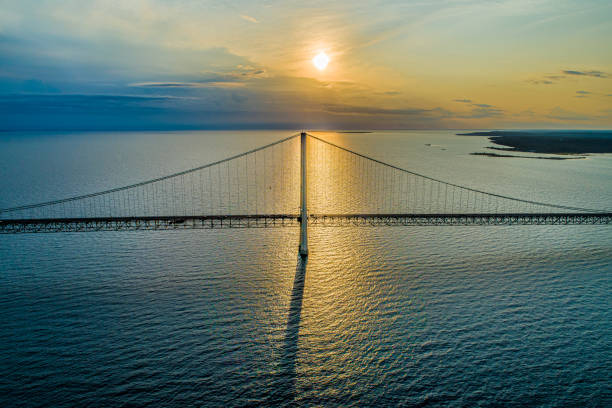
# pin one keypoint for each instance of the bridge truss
(284, 220)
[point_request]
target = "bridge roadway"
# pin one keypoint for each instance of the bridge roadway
(16, 226)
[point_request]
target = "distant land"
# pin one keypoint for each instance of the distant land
(550, 141)
(528, 157)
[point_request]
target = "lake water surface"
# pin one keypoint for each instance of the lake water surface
(411, 316)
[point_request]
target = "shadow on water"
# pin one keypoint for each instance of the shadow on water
(285, 393)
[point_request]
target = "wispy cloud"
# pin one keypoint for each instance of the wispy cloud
(546, 79)
(582, 94)
(229, 78)
(211, 84)
(164, 84)
(540, 81)
(249, 18)
(369, 110)
(567, 73)
(479, 110)
(595, 74)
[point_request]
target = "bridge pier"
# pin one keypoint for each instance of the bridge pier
(303, 208)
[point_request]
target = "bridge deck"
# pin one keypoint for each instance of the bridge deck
(284, 220)
(462, 219)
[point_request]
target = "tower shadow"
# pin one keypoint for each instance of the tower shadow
(286, 391)
(295, 309)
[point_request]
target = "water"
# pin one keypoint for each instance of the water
(427, 316)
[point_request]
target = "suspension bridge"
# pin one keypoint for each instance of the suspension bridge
(301, 180)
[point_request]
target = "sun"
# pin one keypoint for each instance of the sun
(320, 61)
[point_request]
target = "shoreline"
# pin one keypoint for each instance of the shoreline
(549, 142)
(527, 157)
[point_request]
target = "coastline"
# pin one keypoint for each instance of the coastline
(548, 142)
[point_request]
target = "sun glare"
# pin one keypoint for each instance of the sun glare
(321, 61)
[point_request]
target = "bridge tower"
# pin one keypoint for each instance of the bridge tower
(303, 208)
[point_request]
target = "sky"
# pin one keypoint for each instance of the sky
(406, 64)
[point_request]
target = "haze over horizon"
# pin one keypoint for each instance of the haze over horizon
(153, 64)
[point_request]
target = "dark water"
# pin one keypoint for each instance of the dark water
(424, 316)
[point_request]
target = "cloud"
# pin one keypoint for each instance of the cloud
(369, 110)
(52, 102)
(108, 66)
(479, 110)
(164, 84)
(554, 78)
(216, 109)
(546, 80)
(582, 94)
(540, 82)
(204, 84)
(249, 18)
(81, 111)
(246, 72)
(595, 74)
(356, 87)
